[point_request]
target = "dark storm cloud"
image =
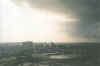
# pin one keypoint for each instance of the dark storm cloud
(88, 11)
(52, 5)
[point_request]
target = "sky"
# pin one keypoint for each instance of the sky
(50, 20)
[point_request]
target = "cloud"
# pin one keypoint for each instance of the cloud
(87, 11)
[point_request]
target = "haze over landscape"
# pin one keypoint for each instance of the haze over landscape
(49, 32)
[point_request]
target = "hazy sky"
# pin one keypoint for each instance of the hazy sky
(50, 20)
